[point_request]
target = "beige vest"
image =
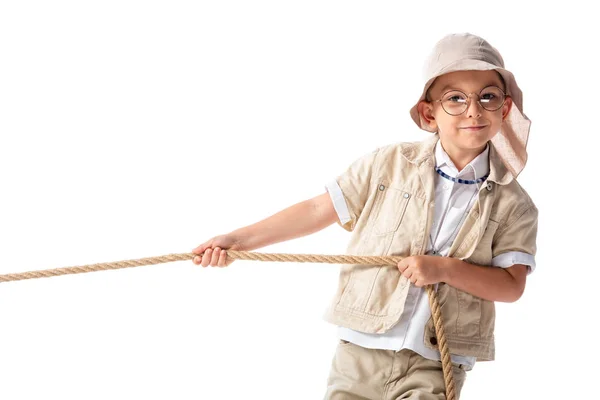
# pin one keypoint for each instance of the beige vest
(390, 197)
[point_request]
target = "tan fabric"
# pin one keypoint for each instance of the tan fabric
(358, 373)
(390, 198)
(461, 52)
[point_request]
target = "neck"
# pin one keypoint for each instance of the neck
(461, 157)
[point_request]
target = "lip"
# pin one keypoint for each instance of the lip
(474, 128)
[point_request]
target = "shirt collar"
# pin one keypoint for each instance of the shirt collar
(480, 164)
(424, 152)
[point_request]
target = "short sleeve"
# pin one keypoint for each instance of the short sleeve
(508, 259)
(515, 243)
(351, 189)
(339, 203)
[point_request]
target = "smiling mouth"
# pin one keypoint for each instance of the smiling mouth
(474, 128)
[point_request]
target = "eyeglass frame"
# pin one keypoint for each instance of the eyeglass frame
(468, 96)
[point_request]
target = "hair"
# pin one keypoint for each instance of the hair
(504, 88)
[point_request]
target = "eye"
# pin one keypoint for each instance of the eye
(455, 97)
(487, 97)
(491, 95)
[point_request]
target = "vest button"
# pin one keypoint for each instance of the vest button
(433, 340)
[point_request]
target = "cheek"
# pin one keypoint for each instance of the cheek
(439, 114)
(496, 119)
(445, 121)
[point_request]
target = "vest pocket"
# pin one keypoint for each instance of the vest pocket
(389, 208)
(466, 317)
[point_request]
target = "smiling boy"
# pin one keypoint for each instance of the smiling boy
(450, 205)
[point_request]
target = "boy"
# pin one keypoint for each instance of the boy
(450, 205)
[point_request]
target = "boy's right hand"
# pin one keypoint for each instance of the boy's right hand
(213, 252)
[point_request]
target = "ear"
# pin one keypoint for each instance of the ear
(425, 109)
(508, 103)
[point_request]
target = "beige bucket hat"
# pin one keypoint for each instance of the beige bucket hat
(464, 51)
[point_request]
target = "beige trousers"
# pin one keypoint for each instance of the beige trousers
(358, 373)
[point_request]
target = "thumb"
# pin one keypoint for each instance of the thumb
(200, 249)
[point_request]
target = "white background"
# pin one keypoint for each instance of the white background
(133, 129)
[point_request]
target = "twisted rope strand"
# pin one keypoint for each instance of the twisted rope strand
(277, 257)
(440, 333)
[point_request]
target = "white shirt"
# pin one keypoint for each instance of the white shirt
(452, 202)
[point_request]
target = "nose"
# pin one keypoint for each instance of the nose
(474, 108)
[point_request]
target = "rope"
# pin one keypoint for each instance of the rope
(278, 257)
(440, 333)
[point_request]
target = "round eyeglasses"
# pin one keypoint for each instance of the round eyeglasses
(455, 102)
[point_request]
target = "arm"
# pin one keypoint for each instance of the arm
(350, 191)
(490, 283)
(513, 249)
(299, 220)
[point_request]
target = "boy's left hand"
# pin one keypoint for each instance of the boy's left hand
(422, 270)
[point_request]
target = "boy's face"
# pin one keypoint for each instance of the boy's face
(470, 131)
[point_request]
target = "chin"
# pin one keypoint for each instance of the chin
(474, 143)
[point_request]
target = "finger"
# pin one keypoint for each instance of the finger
(198, 250)
(206, 257)
(407, 273)
(201, 249)
(223, 259)
(401, 266)
(214, 261)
